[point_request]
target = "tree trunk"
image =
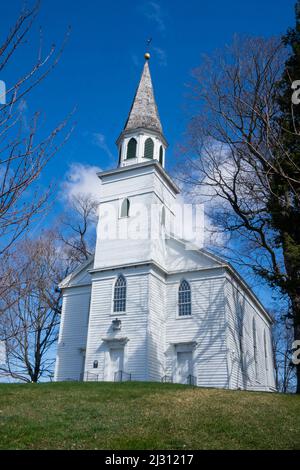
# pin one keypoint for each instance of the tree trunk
(296, 320)
(292, 287)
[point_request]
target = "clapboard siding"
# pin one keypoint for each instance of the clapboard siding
(72, 334)
(156, 328)
(224, 350)
(206, 327)
(136, 181)
(179, 258)
(126, 183)
(136, 238)
(134, 324)
(244, 371)
(112, 232)
(163, 191)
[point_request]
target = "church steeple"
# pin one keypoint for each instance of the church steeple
(143, 112)
(142, 137)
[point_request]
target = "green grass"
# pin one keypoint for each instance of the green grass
(144, 416)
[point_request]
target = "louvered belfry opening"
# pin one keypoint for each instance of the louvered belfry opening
(149, 148)
(125, 208)
(131, 148)
(161, 154)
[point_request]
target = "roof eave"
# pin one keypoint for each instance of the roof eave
(132, 167)
(142, 130)
(68, 279)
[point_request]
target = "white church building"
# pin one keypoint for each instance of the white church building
(149, 306)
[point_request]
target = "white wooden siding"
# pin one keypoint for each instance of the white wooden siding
(156, 328)
(134, 324)
(147, 190)
(178, 258)
(241, 364)
(206, 326)
(73, 333)
(153, 328)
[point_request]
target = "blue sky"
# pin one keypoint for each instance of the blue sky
(102, 63)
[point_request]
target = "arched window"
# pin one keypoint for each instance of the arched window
(266, 351)
(120, 294)
(149, 148)
(184, 299)
(255, 347)
(163, 216)
(161, 154)
(120, 154)
(131, 148)
(125, 206)
(241, 333)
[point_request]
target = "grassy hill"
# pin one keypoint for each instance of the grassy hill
(144, 416)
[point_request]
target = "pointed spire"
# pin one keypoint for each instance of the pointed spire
(143, 112)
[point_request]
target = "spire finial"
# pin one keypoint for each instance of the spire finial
(147, 54)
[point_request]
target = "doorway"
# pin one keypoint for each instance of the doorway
(184, 366)
(116, 362)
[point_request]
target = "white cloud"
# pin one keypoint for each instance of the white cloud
(205, 191)
(213, 236)
(152, 11)
(161, 54)
(100, 141)
(81, 179)
(188, 222)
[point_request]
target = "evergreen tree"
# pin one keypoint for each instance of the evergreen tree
(284, 202)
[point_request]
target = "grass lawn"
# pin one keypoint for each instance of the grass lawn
(144, 416)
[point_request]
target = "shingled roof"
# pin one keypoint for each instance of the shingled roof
(143, 112)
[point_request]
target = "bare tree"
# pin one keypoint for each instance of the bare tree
(23, 151)
(78, 227)
(282, 340)
(29, 324)
(238, 149)
(30, 304)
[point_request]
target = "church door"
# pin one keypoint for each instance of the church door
(184, 366)
(116, 362)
